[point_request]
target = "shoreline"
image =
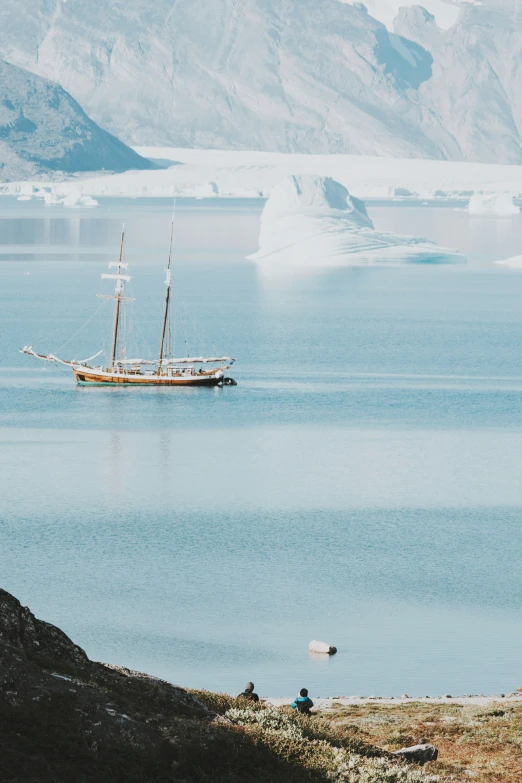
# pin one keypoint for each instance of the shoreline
(332, 702)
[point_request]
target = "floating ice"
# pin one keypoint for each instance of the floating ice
(515, 262)
(72, 199)
(313, 222)
(51, 199)
(498, 204)
(87, 201)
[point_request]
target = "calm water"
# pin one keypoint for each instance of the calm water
(362, 484)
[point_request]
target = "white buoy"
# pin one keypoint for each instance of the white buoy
(321, 647)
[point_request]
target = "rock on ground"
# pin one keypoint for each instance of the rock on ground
(419, 754)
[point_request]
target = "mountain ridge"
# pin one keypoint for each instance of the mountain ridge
(284, 75)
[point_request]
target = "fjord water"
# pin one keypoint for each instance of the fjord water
(361, 484)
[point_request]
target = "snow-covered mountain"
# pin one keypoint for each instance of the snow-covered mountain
(43, 129)
(385, 77)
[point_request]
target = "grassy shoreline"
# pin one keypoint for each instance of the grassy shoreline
(478, 738)
(330, 702)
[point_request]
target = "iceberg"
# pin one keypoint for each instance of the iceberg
(497, 204)
(51, 199)
(73, 198)
(515, 262)
(87, 201)
(313, 222)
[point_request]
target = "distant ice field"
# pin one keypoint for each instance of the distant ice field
(200, 173)
(360, 485)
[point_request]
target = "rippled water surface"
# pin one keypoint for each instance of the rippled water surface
(362, 484)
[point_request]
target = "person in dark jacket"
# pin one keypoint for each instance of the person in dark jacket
(248, 693)
(302, 703)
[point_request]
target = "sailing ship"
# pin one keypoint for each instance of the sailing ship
(163, 371)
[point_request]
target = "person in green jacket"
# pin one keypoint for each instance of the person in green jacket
(302, 703)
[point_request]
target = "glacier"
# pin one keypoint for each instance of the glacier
(438, 79)
(225, 173)
(312, 222)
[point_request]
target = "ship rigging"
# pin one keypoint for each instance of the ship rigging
(163, 371)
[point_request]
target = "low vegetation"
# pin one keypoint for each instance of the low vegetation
(476, 743)
(292, 747)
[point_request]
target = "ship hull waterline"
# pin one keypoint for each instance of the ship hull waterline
(84, 378)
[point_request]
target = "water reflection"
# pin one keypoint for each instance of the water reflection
(32, 231)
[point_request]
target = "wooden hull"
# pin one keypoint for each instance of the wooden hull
(94, 378)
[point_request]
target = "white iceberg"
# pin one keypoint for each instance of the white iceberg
(26, 192)
(51, 199)
(515, 262)
(88, 201)
(313, 222)
(72, 199)
(75, 198)
(497, 204)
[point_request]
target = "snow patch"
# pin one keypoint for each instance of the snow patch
(498, 204)
(312, 222)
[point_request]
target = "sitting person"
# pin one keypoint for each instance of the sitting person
(302, 703)
(248, 693)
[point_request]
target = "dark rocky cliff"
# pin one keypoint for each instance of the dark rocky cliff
(66, 718)
(43, 130)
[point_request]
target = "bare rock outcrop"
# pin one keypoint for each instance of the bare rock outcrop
(418, 754)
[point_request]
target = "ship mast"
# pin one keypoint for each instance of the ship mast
(119, 265)
(168, 284)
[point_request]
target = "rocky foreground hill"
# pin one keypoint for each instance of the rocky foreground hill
(67, 719)
(44, 130)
